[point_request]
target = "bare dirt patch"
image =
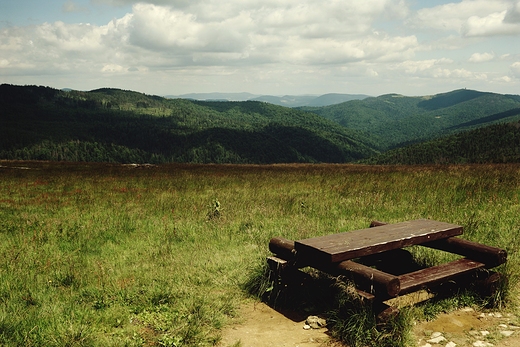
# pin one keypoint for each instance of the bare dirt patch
(467, 327)
(258, 325)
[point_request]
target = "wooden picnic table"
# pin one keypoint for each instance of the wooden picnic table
(354, 254)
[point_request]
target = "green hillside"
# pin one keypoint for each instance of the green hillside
(395, 120)
(114, 125)
(499, 143)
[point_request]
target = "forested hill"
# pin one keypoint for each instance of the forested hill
(499, 143)
(113, 125)
(395, 120)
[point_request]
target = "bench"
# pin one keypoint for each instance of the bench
(357, 254)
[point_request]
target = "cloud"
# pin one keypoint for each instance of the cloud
(279, 43)
(113, 68)
(154, 37)
(452, 16)
(503, 20)
(161, 28)
(493, 24)
(481, 57)
(472, 18)
(513, 14)
(133, 2)
(515, 69)
(422, 66)
(71, 7)
(438, 69)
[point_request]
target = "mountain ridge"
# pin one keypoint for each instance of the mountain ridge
(110, 124)
(397, 120)
(285, 100)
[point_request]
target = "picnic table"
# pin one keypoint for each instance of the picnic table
(373, 258)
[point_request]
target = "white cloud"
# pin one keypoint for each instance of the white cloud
(472, 18)
(113, 68)
(505, 79)
(165, 37)
(490, 25)
(70, 37)
(515, 69)
(438, 69)
(481, 57)
(452, 16)
(420, 67)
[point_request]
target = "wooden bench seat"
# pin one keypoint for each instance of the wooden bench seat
(434, 275)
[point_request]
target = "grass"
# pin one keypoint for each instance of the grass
(112, 255)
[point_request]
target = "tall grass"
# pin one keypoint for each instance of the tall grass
(109, 255)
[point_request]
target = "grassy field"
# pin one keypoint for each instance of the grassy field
(114, 255)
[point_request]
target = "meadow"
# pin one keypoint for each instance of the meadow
(118, 255)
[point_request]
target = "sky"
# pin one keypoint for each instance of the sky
(274, 47)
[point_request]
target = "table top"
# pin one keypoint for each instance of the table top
(354, 244)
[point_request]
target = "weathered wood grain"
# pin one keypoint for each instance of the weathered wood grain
(431, 276)
(354, 244)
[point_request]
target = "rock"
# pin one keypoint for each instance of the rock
(437, 339)
(481, 344)
(306, 327)
(484, 333)
(495, 314)
(451, 344)
(316, 322)
(507, 333)
(436, 334)
(426, 345)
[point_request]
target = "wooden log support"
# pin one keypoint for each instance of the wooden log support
(283, 248)
(488, 283)
(385, 313)
(369, 279)
(491, 256)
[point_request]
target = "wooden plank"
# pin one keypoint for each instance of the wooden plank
(420, 279)
(354, 244)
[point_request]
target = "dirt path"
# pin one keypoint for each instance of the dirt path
(258, 325)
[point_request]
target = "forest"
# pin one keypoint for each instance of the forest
(498, 143)
(110, 125)
(120, 126)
